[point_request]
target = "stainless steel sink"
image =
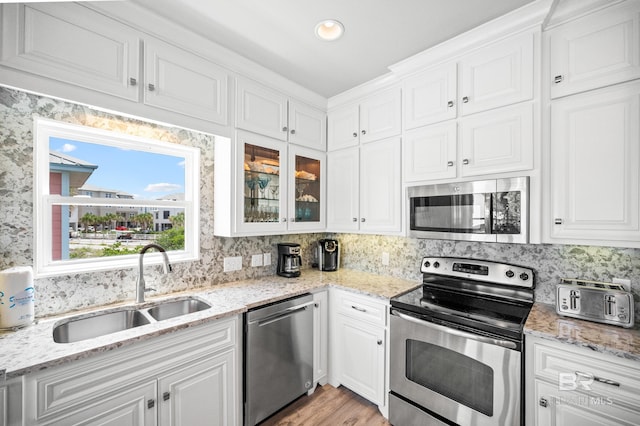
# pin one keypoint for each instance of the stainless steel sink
(175, 308)
(102, 324)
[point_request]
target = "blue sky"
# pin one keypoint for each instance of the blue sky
(143, 174)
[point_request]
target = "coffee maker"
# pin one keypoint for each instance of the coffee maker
(327, 255)
(289, 260)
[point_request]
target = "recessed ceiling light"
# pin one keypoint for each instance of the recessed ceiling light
(329, 30)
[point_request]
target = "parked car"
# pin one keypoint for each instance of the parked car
(124, 235)
(121, 228)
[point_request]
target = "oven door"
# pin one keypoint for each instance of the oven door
(463, 377)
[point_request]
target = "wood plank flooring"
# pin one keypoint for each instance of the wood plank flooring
(328, 406)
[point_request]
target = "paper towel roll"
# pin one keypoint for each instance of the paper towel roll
(16, 297)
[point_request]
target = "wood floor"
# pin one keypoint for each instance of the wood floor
(328, 406)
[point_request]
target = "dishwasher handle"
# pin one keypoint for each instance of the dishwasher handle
(285, 313)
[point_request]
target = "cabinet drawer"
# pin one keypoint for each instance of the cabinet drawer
(64, 389)
(362, 308)
(575, 369)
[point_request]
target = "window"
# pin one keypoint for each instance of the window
(96, 193)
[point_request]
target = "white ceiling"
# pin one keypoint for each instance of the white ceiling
(278, 34)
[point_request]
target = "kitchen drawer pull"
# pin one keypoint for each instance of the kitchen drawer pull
(465, 161)
(359, 309)
(598, 379)
(449, 163)
(450, 104)
(166, 396)
(151, 403)
(558, 79)
(132, 81)
(465, 99)
(557, 221)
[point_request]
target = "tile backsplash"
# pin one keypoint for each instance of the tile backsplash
(360, 252)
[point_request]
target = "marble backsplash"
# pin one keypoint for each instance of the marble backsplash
(359, 252)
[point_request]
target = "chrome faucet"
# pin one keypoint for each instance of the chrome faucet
(166, 266)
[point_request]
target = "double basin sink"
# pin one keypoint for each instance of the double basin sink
(80, 328)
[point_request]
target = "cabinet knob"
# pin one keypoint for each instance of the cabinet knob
(363, 220)
(558, 221)
(355, 134)
(132, 81)
(379, 342)
(284, 129)
(355, 219)
(465, 161)
(558, 79)
(316, 305)
(450, 104)
(152, 87)
(166, 396)
(543, 402)
(151, 403)
(293, 131)
(465, 99)
(284, 219)
(292, 219)
(449, 163)
(364, 132)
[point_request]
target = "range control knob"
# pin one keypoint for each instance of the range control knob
(509, 273)
(427, 264)
(524, 276)
(436, 264)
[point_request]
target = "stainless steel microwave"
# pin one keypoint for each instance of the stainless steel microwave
(489, 210)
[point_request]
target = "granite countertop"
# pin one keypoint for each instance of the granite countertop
(544, 322)
(32, 348)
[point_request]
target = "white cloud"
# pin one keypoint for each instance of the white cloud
(162, 187)
(67, 147)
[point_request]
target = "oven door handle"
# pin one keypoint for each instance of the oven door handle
(482, 339)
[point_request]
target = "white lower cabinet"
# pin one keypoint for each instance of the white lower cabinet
(569, 385)
(358, 342)
(189, 377)
(320, 337)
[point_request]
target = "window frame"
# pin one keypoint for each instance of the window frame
(43, 202)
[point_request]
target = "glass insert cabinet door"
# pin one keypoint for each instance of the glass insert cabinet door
(306, 204)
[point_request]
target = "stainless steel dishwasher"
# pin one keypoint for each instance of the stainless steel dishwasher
(278, 356)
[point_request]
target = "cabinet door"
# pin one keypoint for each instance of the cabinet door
(380, 116)
(497, 141)
(497, 75)
(430, 152)
(343, 180)
(595, 158)
(380, 186)
(344, 127)
(261, 196)
(178, 81)
(307, 126)
(307, 196)
(595, 51)
(201, 394)
(70, 43)
(430, 97)
(361, 358)
(320, 337)
(260, 109)
(556, 407)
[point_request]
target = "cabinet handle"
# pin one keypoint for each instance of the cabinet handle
(465, 161)
(379, 342)
(152, 87)
(450, 104)
(284, 219)
(284, 129)
(132, 81)
(166, 396)
(357, 308)
(363, 220)
(557, 221)
(355, 134)
(558, 79)
(449, 163)
(543, 402)
(293, 131)
(355, 219)
(465, 100)
(598, 379)
(151, 403)
(364, 132)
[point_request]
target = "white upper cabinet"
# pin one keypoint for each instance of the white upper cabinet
(497, 75)
(497, 141)
(429, 152)
(343, 189)
(72, 44)
(376, 117)
(262, 110)
(430, 97)
(178, 81)
(595, 163)
(595, 51)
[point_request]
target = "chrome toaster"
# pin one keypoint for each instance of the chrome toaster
(607, 303)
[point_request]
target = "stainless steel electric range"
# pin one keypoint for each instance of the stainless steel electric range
(456, 344)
